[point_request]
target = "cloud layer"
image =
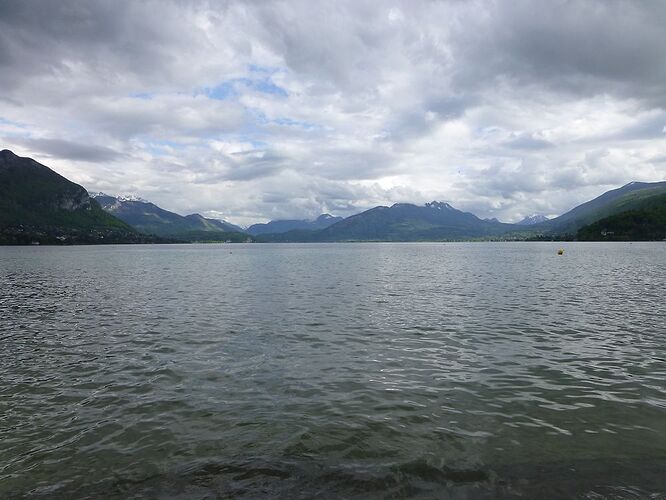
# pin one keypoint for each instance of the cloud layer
(259, 110)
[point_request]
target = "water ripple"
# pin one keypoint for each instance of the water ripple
(356, 371)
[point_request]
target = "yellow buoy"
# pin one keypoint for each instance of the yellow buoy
(560, 251)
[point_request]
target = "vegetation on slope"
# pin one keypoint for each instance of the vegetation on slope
(148, 218)
(37, 205)
(632, 196)
(647, 223)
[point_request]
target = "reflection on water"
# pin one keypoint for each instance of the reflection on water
(470, 370)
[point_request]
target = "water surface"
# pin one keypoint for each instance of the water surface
(471, 370)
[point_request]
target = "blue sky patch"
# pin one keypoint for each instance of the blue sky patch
(296, 123)
(232, 89)
(144, 96)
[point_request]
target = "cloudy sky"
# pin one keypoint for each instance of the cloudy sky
(255, 110)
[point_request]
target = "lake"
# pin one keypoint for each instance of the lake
(377, 370)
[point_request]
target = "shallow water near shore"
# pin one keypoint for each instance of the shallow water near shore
(449, 370)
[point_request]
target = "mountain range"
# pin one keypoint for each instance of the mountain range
(148, 218)
(37, 205)
(282, 226)
(403, 222)
(438, 221)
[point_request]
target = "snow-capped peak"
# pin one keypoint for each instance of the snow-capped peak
(532, 219)
(125, 197)
(439, 205)
(131, 197)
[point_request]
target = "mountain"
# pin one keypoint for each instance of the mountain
(282, 226)
(213, 224)
(532, 219)
(38, 205)
(148, 218)
(627, 197)
(645, 222)
(404, 222)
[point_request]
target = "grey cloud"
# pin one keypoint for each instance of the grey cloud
(266, 165)
(587, 47)
(312, 44)
(420, 118)
(71, 48)
(163, 118)
(506, 180)
(528, 142)
(650, 127)
(449, 107)
(70, 150)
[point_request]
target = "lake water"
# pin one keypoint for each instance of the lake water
(454, 370)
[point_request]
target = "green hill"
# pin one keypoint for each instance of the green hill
(647, 222)
(37, 205)
(628, 197)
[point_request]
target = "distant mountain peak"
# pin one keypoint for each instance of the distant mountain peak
(284, 225)
(532, 219)
(439, 205)
(126, 197)
(131, 197)
(147, 217)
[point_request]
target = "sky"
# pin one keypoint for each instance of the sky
(256, 110)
